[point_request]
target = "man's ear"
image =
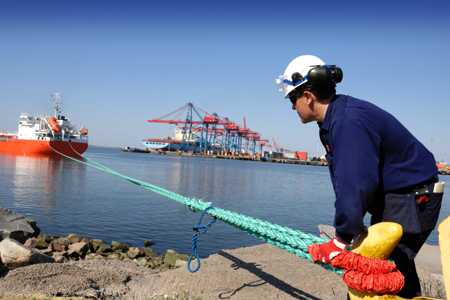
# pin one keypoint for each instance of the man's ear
(309, 97)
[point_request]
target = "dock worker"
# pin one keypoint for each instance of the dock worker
(376, 165)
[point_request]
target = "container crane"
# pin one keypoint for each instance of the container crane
(202, 131)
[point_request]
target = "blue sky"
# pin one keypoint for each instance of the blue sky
(118, 64)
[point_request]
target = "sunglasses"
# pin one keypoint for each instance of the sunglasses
(294, 96)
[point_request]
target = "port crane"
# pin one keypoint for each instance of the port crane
(202, 131)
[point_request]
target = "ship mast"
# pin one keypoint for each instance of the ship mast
(56, 99)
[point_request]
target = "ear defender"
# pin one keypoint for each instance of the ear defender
(336, 74)
(325, 75)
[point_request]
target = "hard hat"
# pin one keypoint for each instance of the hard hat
(296, 73)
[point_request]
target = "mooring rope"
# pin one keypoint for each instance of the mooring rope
(293, 241)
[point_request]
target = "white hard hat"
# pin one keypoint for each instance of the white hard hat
(301, 65)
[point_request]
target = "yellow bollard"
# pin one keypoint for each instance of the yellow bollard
(381, 240)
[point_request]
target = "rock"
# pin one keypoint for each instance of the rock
(135, 252)
(124, 256)
(41, 242)
(16, 226)
(180, 263)
(46, 251)
(59, 257)
(141, 261)
(119, 246)
(93, 256)
(3, 269)
(170, 258)
(30, 243)
(95, 244)
(155, 262)
(148, 243)
(13, 254)
(49, 238)
(115, 256)
(60, 244)
(73, 238)
(80, 248)
(103, 248)
(73, 255)
(86, 240)
(148, 252)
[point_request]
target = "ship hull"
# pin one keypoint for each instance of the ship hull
(42, 148)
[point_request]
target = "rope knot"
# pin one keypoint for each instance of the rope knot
(198, 229)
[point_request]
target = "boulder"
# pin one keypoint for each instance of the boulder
(148, 252)
(123, 256)
(13, 254)
(80, 248)
(115, 256)
(93, 256)
(3, 269)
(148, 243)
(73, 238)
(135, 252)
(95, 244)
(73, 255)
(170, 258)
(30, 243)
(41, 242)
(155, 262)
(46, 251)
(119, 246)
(16, 226)
(141, 261)
(103, 248)
(59, 257)
(60, 244)
(180, 263)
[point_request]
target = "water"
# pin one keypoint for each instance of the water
(67, 197)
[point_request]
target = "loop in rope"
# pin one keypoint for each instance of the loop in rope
(198, 229)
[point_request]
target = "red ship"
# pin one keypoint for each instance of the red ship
(49, 135)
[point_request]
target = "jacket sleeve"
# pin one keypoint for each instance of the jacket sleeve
(356, 157)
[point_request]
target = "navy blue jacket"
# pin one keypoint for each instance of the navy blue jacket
(369, 153)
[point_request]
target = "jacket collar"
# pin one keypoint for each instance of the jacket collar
(326, 124)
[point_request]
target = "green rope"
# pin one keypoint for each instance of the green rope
(294, 241)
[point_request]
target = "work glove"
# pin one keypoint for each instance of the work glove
(327, 251)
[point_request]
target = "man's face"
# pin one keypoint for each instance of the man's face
(301, 102)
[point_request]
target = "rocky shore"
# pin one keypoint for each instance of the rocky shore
(38, 266)
(26, 254)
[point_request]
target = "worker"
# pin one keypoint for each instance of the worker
(376, 165)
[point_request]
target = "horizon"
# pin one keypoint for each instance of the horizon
(119, 64)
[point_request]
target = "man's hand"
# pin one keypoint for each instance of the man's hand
(327, 251)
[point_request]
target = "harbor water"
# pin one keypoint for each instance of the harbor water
(64, 197)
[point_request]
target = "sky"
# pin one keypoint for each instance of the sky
(120, 63)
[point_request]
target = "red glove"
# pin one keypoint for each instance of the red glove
(327, 251)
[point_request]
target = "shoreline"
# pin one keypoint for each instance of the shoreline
(39, 266)
(317, 163)
(247, 273)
